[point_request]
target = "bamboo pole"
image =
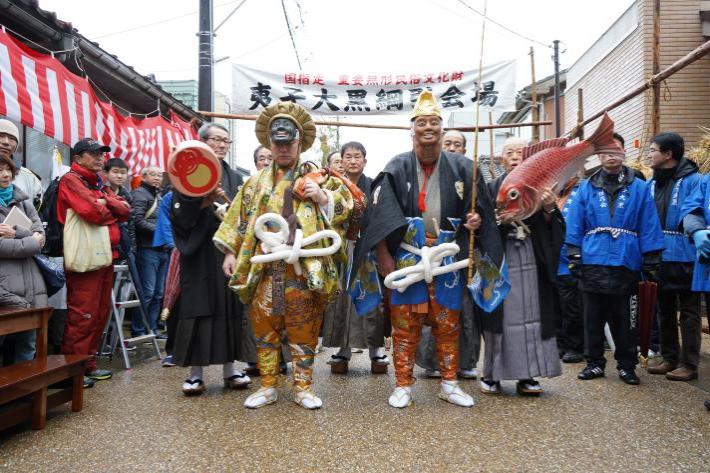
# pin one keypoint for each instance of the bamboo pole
(691, 57)
(533, 96)
(497, 126)
(235, 116)
(656, 48)
(474, 184)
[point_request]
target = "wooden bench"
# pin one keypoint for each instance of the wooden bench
(32, 380)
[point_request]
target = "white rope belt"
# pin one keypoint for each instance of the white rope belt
(673, 232)
(427, 268)
(615, 231)
(274, 246)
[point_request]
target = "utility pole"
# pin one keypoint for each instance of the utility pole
(533, 97)
(205, 58)
(556, 59)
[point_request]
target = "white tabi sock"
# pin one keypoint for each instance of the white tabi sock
(376, 352)
(195, 373)
(229, 369)
(345, 352)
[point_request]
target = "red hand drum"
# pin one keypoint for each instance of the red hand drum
(193, 169)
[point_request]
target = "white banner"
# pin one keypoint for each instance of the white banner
(372, 94)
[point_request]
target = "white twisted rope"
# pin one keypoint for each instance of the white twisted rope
(427, 268)
(274, 246)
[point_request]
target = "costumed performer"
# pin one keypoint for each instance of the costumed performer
(423, 199)
(286, 299)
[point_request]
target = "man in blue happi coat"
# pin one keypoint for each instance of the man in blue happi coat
(696, 223)
(613, 238)
(674, 180)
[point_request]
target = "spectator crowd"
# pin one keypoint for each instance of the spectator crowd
(574, 266)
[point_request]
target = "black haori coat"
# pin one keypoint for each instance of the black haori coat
(209, 316)
(547, 238)
(395, 193)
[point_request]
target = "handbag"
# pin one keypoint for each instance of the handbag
(87, 247)
(52, 273)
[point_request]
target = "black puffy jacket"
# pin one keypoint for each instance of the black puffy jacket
(146, 201)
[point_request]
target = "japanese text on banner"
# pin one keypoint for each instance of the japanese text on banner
(360, 93)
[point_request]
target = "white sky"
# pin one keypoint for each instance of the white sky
(340, 35)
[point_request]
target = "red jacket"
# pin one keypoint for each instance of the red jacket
(74, 194)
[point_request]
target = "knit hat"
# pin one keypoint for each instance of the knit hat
(9, 128)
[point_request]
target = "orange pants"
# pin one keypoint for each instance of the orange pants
(407, 321)
(300, 326)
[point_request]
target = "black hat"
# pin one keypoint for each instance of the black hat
(88, 144)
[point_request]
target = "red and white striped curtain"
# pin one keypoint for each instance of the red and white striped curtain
(38, 91)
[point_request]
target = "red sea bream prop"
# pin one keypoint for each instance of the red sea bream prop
(547, 164)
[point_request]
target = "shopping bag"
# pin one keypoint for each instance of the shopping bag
(87, 247)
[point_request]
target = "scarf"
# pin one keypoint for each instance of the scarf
(6, 195)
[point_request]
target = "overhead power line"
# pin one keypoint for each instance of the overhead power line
(290, 33)
(500, 25)
(166, 20)
(260, 47)
(229, 16)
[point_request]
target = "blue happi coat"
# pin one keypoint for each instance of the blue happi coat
(698, 203)
(677, 247)
(394, 217)
(448, 287)
(619, 241)
(563, 268)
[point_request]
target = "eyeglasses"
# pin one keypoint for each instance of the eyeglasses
(225, 141)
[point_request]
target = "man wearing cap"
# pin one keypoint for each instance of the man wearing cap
(89, 293)
(25, 180)
(285, 298)
(423, 198)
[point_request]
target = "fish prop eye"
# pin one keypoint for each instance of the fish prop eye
(513, 194)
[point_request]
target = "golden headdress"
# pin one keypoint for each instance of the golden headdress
(292, 111)
(426, 105)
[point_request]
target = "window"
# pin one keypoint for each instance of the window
(39, 151)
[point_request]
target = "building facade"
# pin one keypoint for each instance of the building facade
(622, 59)
(545, 90)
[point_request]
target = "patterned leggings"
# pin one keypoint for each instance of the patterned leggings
(300, 326)
(407, 321)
